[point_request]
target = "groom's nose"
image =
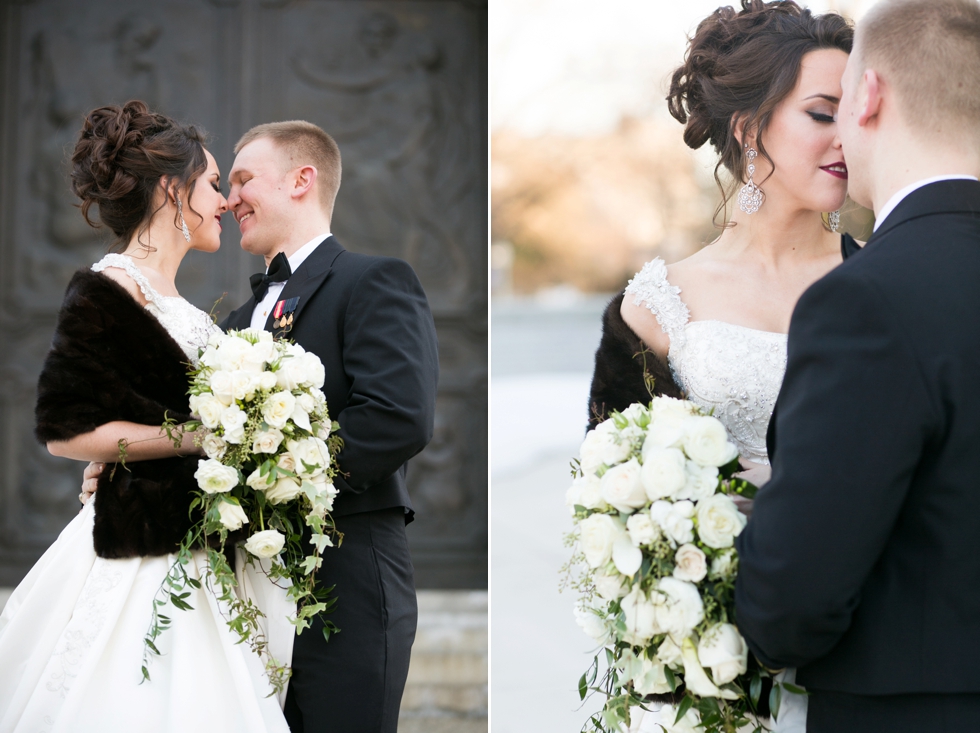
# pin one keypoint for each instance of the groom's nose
(234, 200)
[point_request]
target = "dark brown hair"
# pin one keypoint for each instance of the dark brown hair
(739, 66)
(119, 159)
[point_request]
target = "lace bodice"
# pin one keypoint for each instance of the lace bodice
(733, 370)
(190, 327)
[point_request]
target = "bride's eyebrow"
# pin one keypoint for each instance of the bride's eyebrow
(828, 97)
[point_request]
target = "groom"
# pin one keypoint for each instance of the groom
(859, 565)
(368, 320)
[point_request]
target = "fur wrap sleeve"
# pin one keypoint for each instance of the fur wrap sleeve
(620, 363)
(112, 360)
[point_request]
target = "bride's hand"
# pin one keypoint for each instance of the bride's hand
(90, 480)
(754, 473)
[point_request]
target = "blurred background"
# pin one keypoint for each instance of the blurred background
(402, 86)
(590, 178)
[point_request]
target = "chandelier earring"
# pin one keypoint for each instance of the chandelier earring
(183, 224)
(750, 197)
(833, 218)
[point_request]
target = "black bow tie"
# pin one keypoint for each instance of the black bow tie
(279, 271)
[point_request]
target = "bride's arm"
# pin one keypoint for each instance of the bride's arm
(143, 443)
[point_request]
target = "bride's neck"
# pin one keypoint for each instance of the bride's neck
(159, 250)
(777, 235)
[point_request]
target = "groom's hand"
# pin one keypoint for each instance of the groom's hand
(90, 480)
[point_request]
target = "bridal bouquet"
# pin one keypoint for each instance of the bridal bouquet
(269, 468)
(654, 563)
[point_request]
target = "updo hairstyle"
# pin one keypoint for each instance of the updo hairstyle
(119, 159)
(740, 66)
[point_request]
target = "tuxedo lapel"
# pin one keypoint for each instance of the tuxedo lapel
(241, 317)
(942, 197)
(306, 281)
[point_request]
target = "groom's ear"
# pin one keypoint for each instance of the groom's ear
(869, 97)
(303, 179)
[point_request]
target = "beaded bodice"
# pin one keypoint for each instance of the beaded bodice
(734, 371)
(189, 326)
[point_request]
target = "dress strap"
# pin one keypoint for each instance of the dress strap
(650, 288)
(123, 262)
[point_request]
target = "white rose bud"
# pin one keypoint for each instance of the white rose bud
(214, 477)
(314, 371)
(621, 487)
(267, 381)
(635, 412)
(598, 534)
(719, 521)
(268, 441)
(591, 623)
(696, 679)
(214, 447)
(257, 481)
(641, 620)
(222, 388)
(702, 482)
(610, 585)
(236, 435)
(602, 446)
(663, 472)
(723, 650)
(677, 523)
(723, 566)
(652, 679)
(285, 489)
(691, 564)
(277, 408)
(642, 529)
(678, 606)
(233, 418)
(266, 544)
(307, 456)
(706, 442)
(666, 431)
(231, 515)
(669, 654)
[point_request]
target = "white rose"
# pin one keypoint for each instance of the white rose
(626, 556)
(636, 413)
(723, 566)
(215, 340)
(257, 481)
(231, 515)
(214, 477)
(610, 585)
(663, 472)
(690, 723)
(652, 680)
(641, 617)
(678, 606)
(232, 353)
(236, 435)
(221, 387)
(277, 408)
(314, 371)
(719, 521)
(702, 482)
(598, 534)
(325, 491)
(266, 381)
(659, 511)
(677, 523)
(232, 418)
(621, 487)
(696, 679)
(592, 623)
(669, 654)
(691, 563)
(307, 401)
(208, 408)
(285, 489)
(723, 650)
(308, 457)
(267, 441)
(602, 446)
(214, 447)
(242, 385)
(286, 462)
(642, 529)
(293, 373)
(706, 442)
(267, 543)
(261, 353)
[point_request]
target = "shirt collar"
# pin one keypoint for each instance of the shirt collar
(897, 198)
(298, 257)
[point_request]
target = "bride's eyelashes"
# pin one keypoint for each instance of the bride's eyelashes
(820, 117)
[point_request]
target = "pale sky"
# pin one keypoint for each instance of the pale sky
(578, 66)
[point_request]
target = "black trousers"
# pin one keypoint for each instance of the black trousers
(839, 712)
(354, 682)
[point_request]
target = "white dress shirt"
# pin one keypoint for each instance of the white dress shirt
(896, 199)
(262, 309)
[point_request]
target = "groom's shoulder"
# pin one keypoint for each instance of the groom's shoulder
(359, 267)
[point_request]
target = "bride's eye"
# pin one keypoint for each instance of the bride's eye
(819, 117)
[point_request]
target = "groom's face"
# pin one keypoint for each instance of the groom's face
(852, 135)
(258, 197)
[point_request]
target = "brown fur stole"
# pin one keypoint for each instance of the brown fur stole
(112, 360)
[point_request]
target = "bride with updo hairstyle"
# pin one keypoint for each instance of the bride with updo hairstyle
(72, 633)
(761, 84)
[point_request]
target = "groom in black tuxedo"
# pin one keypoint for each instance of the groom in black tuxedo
(859, 565)
(368, 320)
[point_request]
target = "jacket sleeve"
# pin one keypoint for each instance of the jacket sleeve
(391, 357)
(854, 418)
(620, 362)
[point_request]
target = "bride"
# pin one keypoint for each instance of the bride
(71, 635)
(762, 86)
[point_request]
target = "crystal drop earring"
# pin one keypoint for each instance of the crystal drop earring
(183, 224)
(833, 218)
(750, 197)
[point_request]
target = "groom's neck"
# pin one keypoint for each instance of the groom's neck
(302, 231)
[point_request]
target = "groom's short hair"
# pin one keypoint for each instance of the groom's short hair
(929, 51)
(305, 144)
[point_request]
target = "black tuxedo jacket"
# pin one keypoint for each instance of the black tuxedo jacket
(860, 563)
(368, 320)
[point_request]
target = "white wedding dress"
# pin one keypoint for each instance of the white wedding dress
(71, 634)
(736, 372)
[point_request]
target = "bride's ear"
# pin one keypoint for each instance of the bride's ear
(738, 130)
